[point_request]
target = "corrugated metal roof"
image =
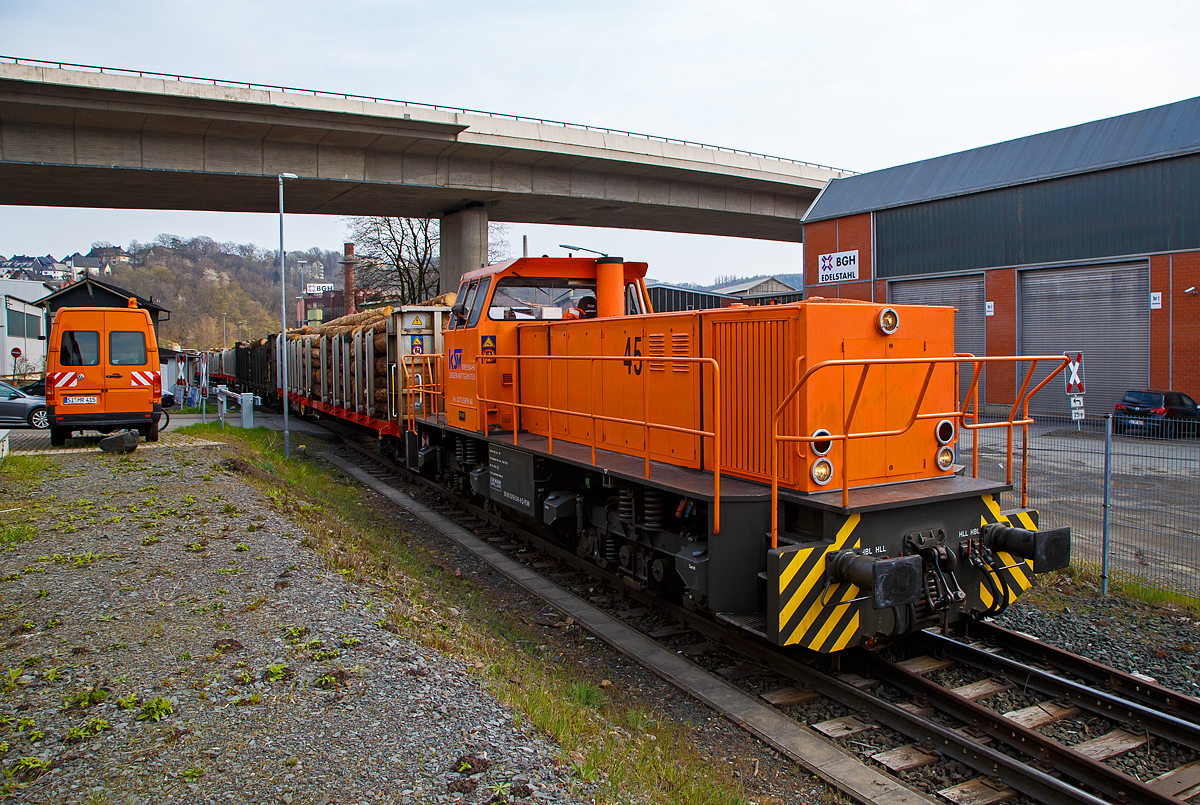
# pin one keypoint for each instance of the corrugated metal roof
(1163, 131)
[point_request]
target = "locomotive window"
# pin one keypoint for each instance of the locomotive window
(79, 348)
(465, 299)
(633, 300)
(460, 299)
(477, 303)
(537, 297)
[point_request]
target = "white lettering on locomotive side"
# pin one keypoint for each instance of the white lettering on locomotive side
(838, 266)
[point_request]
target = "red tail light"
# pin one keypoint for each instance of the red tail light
(1162, 410)
(1120, 407)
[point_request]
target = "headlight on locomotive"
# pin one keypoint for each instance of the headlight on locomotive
(945, 431)
(888, 321)
(945, 457)
(821, 448)
(822, 471)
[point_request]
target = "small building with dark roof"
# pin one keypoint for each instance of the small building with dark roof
(91, 292)
(1085, 239)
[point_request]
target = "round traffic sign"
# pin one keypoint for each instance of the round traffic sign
(16, 352)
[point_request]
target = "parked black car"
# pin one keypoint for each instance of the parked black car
(1162, 413)
(35, 389)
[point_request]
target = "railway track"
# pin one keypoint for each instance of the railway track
(992, 716)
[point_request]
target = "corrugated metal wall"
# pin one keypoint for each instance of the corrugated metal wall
(966, 295)
(1136, 209)
(666, 299)
(1103, 311)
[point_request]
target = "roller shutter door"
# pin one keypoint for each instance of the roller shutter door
(1103, 311)
(966, 295)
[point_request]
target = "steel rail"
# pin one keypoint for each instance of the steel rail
(1135, 688)
(1148, 718)
(317, 93)
(1022, 777)
(1093, 773)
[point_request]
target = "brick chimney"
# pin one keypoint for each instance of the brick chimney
(348, 290)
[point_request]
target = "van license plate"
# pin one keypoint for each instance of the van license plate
(79, 400)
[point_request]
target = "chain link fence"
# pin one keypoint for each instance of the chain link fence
(1132, 499)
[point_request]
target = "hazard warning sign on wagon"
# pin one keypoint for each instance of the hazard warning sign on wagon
(1074, 372)
(487, 349)
(416, 345)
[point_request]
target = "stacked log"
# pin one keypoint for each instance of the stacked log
(348, 326)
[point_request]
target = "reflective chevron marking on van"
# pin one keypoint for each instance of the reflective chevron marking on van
(64, 379)
(143, 378)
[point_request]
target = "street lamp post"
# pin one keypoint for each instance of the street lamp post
(287, 440)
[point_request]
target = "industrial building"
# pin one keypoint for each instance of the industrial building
(1085, 239)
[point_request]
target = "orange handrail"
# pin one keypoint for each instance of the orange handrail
(960, 415)
(714, 434)
(428, 390)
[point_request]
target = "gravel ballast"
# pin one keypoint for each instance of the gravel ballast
(170, 640)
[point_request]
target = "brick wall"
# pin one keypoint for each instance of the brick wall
(1184, 309)
(838, 235)
(1000, 288)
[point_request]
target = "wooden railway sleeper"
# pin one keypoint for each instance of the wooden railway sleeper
(1110, 782)
(1134, 688)
(1150, 719)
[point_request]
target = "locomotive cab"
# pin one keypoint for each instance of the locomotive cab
(495, 301)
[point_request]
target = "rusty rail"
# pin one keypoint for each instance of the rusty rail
(969, 410)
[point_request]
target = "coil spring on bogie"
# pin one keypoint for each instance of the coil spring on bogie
(459, 449)
(612, 548)
(473, 452)
(652, 508)
(625, 505)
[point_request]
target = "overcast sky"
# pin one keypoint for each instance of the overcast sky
(856, 85)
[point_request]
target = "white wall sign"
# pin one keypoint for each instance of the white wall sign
(989, 308)
(318, 287)
(1156, 300)
(838, 267)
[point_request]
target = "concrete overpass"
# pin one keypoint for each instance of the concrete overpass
(81, 136)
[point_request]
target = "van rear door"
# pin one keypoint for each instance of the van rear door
(128, 375)
(79, 381)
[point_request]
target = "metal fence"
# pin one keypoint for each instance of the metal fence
(1132, 499)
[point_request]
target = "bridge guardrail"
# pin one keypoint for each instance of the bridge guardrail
(316, 93)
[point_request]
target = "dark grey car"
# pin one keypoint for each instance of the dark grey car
(18, 409)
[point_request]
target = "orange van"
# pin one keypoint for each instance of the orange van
(102, 372)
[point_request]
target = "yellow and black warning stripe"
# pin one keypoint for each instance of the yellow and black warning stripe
(1016, 572)
(811, 614)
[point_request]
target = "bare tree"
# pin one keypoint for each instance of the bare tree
(399, 257)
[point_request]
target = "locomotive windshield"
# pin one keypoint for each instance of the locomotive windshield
(539, 297)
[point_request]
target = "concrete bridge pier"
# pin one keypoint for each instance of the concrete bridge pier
(464, 245)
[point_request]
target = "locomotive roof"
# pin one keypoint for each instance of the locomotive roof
(570, 267)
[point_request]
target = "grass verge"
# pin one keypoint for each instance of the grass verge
(621, 753)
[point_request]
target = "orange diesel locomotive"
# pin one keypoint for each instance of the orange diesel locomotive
(790, 469)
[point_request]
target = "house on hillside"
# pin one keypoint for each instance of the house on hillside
(88, 266)
(91, 292)
(45, 269)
